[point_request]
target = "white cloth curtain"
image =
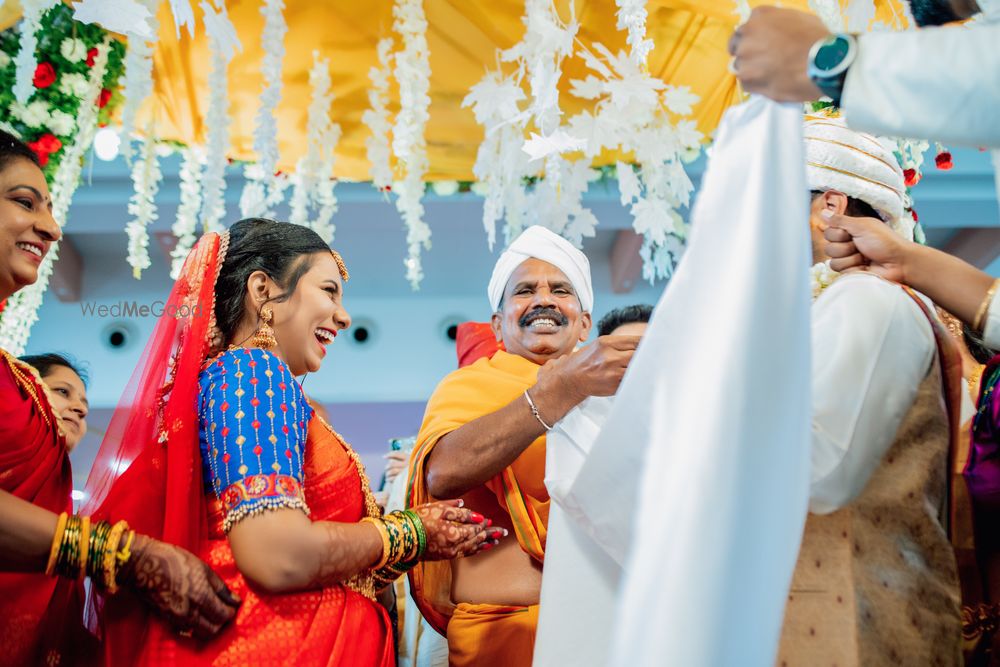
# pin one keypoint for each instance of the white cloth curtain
(722, 383)
(581, 579)
(697, 478)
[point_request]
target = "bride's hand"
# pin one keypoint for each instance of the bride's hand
(180, 587)
(454, 531)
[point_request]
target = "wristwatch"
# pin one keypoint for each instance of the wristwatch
(829, 59)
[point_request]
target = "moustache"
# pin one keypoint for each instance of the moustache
(538, 313)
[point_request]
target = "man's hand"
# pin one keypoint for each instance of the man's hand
(595, 370)
(771, 53)
(865, 243)
(180, 587)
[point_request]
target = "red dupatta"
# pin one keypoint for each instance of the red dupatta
(34, 466)
(148, 469)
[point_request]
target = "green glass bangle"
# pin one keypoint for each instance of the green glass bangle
(418, 526)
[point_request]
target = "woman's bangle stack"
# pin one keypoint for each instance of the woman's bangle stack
(404, 541)
(99, 551)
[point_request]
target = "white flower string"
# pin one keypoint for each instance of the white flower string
(67, 176)
(183, 16)
(137, 83)
(829, 12)
(264, 188)
(146, 177)
(185, 227)
(413, 74)
(501, 165)
(21, 311)
(505, 161)
(632, 17)
(638, 114)
(25, 61)
(313, 179)
(126, 17)
(223, 44)
(634, 113)
(376, 117)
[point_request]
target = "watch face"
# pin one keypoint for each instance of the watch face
(831, 54)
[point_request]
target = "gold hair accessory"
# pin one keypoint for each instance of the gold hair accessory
(263, 337)
(344, 275)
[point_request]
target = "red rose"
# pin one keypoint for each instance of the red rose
(104, 98)
(91, 54)
(943, 161)
(44, 146)
(910, 177)
(3, 304)
(49, 143)
(45, 75)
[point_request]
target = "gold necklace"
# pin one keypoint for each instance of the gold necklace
(27, 377)
(364, 581)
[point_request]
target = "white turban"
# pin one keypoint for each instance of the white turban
(540, 243)
(857, 164)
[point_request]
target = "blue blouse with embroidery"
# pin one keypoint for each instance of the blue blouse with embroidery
(253, 418)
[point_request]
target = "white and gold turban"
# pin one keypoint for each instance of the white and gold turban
(857, 164)
(540, 243)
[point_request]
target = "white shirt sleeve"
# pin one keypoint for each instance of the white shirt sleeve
(871, 348)
(935, 83)
(991, 332)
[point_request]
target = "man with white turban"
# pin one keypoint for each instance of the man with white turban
(483, 439)
(876, 580)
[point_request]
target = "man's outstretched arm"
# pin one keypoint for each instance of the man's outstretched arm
(478, 451)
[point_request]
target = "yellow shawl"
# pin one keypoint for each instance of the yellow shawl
(463, 396)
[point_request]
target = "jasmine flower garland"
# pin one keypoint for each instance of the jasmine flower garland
(413, 73)
(313, 179)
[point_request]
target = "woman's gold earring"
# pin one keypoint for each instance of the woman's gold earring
(263, 337)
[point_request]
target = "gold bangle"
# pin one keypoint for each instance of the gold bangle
(384, 535)
(114, 539)
(403, 538)
(84, 545)
(56, 541)
(984, 307)
(126, 551)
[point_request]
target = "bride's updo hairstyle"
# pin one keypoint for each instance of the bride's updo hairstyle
(282, 250)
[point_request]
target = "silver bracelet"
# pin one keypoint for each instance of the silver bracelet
(534, 411)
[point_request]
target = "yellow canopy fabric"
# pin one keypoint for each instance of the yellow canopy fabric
(463, 37)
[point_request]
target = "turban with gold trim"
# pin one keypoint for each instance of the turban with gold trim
(859, 165)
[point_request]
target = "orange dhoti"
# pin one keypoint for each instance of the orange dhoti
(483, 634)
(507, 632)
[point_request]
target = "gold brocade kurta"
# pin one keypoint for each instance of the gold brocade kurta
(876, 582)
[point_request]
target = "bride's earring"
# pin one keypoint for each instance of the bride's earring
(263, 337)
